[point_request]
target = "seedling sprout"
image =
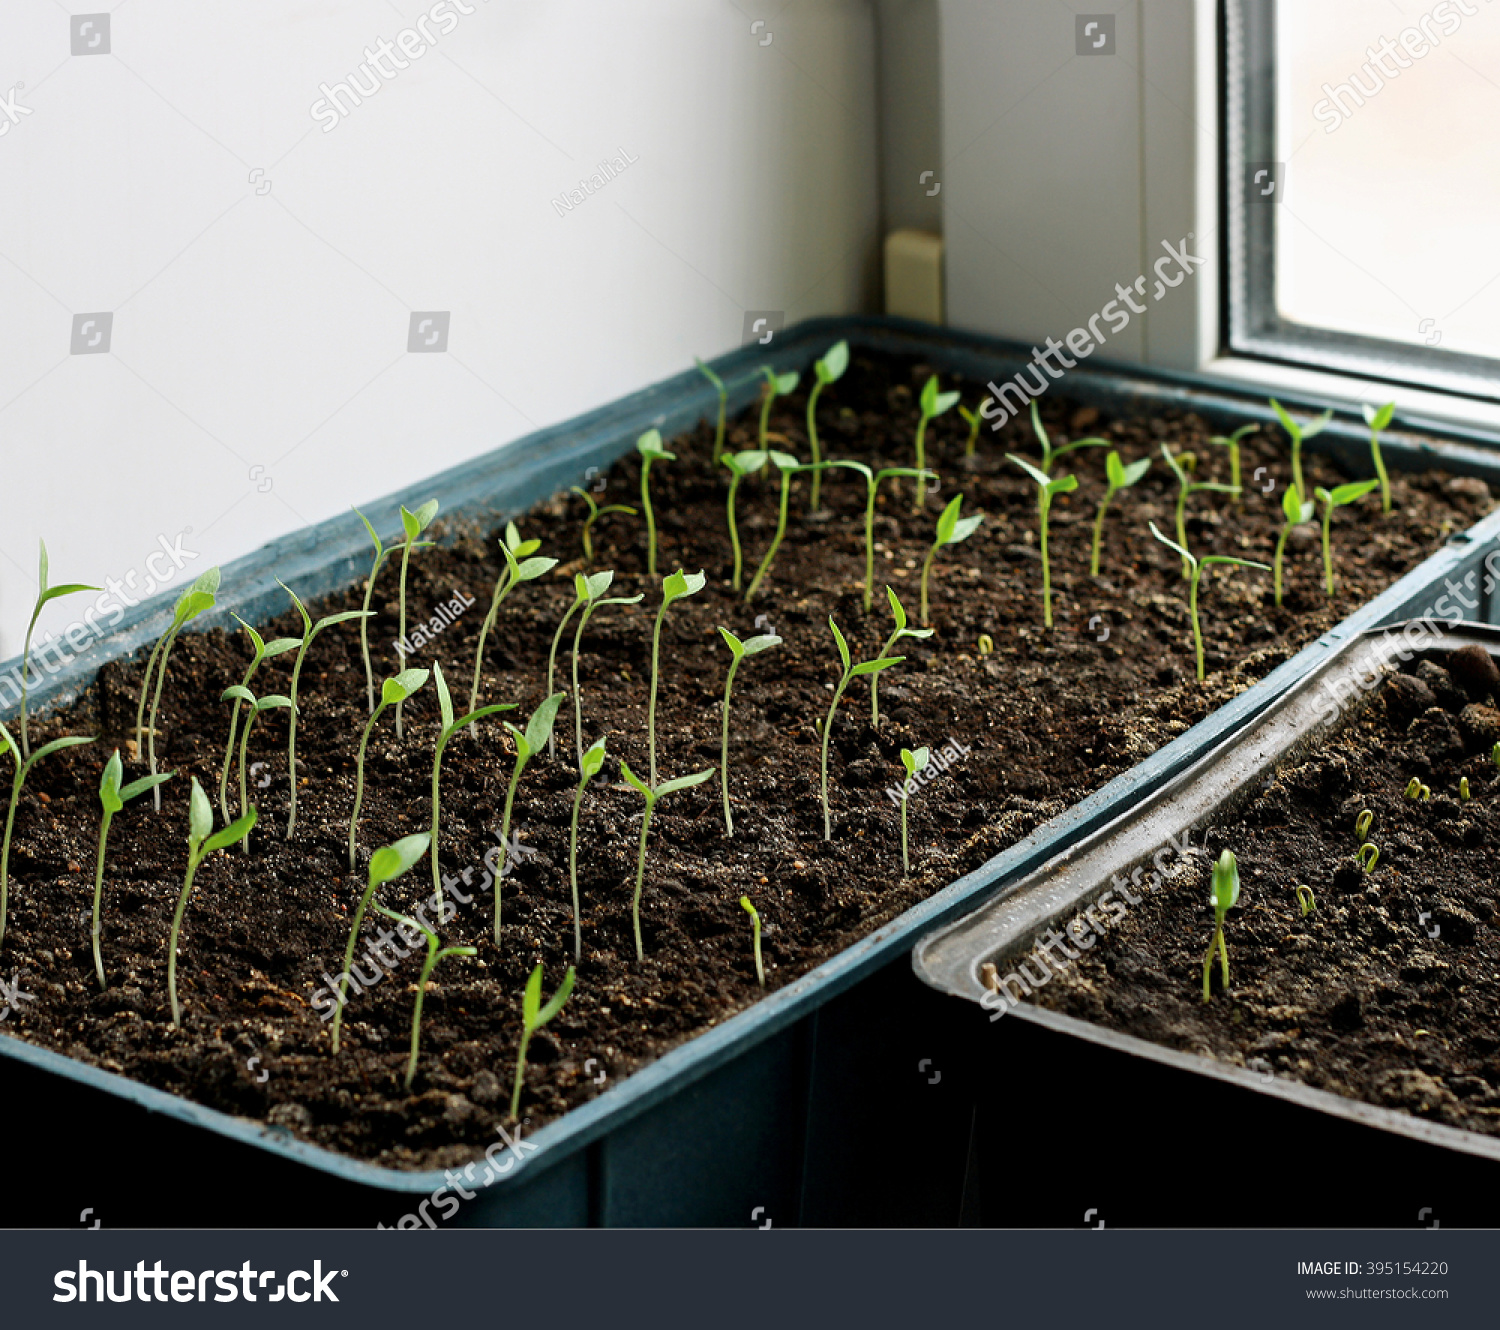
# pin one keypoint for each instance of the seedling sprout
(450, 727)
(1119, 477)
(392, 691)
(44, 596)
(1463, 788)
(519, 567)
(261, 650)
(1196, 567)
(533, 1017)
(256, 704)
(1377, 418)
(898, 612)
(595, 513)
(825, 371)
(113, 797)
(1306, 900)
(760, 969)
(1232, 443)
(1295, 512)
(651, 794)
(788, 466)
(723, 393)
(914, 760)
(435, 953)
(738, 650)
(776, 385)
(1047, 490)
(872, 486)
(595, 586)
(933, 404)
(1362, 825)
(1368, 856)
(1180, 466)
(973, 418)
(1223, 896)
(675, 587)
(951, 530)
(650, 449)
(740, 465)
(850, 671)
(1299, 434)
(412, 524)
(1049, 453)
(381, 551)
(1331, 499)
(1415, 789)
(529, 742)
(592, 764)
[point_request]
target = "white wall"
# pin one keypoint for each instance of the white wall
(262, 272)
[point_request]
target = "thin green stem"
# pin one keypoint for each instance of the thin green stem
(1234, 470)
(416, 1011)
(1099, 532)
(765, 563)
(577, 695)
(1297, 464)
(10, 822)
(401, 619)
(905, 859)
(1208, 966)
(502, 589)
(1193, 613)
(827, 729)
(921, 465)
(815, 499)
(724, 748)
(1385, 480)
(1276, 561)
(650, 516)
(651, 704)
(1223, 955)
(734, 531)
(234, 721)
(1046, 567)
(359, 780)
(515, 1098)
(291, 741)
(182, 900)
(870, 548)
(161, 676)
(890, 642)
(359, 917)
(437, 763)
(510, 799)
(551, 673)
(244, 792)
(719, 431)
(765, 416)
(99, 896)
(640, 877)
(140, 711)
(364, 632)
(1182, 495)
(922, 614)
(25, 670)
(573, 867)
(1328, 547)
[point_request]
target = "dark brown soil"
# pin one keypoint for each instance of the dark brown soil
(1389, 991)
(1048, 717)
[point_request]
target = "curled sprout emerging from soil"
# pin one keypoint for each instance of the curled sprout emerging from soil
(1224, 894)
(933, 404)
(381, 552)
(113, 797)
(972, 419)
(740, 465)
(1299, 434)
(533, 1016)
(1416, 790)
(1295, 512)
(44, 595)
(202, 842)
(1119, 476)
(261, 650)
(1180, 466)
(1232, 443)
(410, 930)
(650, 449)
(197, 599)
(828, 370)
(23, 769)
(776, 385)
(1362, 825)
(1047, 490)
(1495, 754)
(951, 530)
(738, 650)
(1377, 418)
(851, 670)
(595, 513)
(392, 691)
(257, 705)
(788, 466)
(986, 645)
(1368, 856)
(309, 631)
(872, 487)
(1196, 568)
(760, 969)
(1337, 497)
(594, 587)
(529, 742)
(519, 567)
(651, 793)
(592, 764)
(914, 760)
(898, 613)
(1306, 900)
(674, 587)
(1463, 788)
(388, 862)
(412, 525)
(723, 393)
(450, 727)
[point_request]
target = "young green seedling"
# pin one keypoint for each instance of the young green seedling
(1299, 434)
(1232, 442)
(1368, 856)
(1362, 825)
(202, 842)
(1377, 418)
(1223, 896)
(872, 485)
(580, 599)
(738, 651)
(651, 793)
(760, 969)
(973, 419)
(898, 612)
(740, 465)
(789, 467)
(595, 587)
(113, 797)
(412, 524)
(951, 530)
(388, 862)
(519, 567)
(723, 393)
(1181, 465)
(933, 404)
(914, 761)
(1337, 497)
(1463, 789)
(851, 670)
(256, 704)
(261, 650)
(196, 600)
(1047, 490)
(650, 449)
(595, 513)
(1196, 567)
(1295, 513)
(309, 631)
(1415, 789)
(1306, 900)
(392, 691)
(592, 764)
(533, 1017)
(450, 727)
(44, 596)
(529, 742)
(776, 385)
(1118, 477)
(381, 551)
(825, 371)
(410, 929)
(1051, 454)
(675, 587)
